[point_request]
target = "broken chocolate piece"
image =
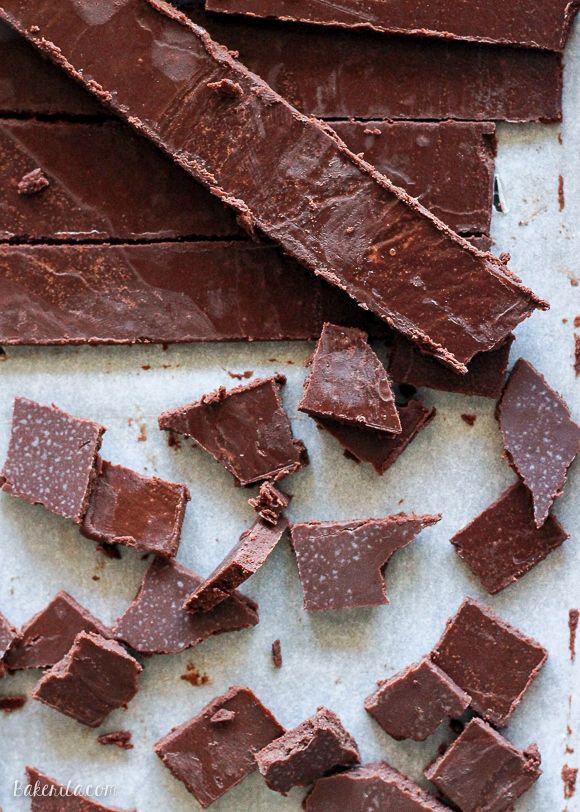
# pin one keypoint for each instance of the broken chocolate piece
(157, 623)
(342, 564)
(212, 758)
(412, 704)
(51, 458)
(270, 503)
(347, 382)
(32, 183)
(245, 429)
(50, 796)
(376, 786)
(141, 512)
(503, 543)
(9, 703)
(540, 437)
(277, 654)
(96, 677)
(243, 560)
(8, 635)
(117, 738)
(315, 747)
(46, 637)
(482, 771)
(490, 660)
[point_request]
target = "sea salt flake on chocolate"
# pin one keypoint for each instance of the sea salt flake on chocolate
(54, 797)
(8, 635)
(270, 502)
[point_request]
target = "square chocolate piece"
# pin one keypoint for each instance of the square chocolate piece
(482, 771)
(145, 513)
(215, 750)
(491, 661)
(51, 458)
(8, 635)
(50, 796)
(96, 677)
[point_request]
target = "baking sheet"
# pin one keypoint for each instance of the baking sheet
(330, 658)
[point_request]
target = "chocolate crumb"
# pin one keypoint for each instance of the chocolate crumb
(561, 198)
(173, 440)
(576, 321)
(577, 355)
(240, 376)
(96, 577)
(277, 654)
(12, 702)
(226, 88)
(573, 281)
(146, 367)
(569, 775)
(573, 616)
(118, 738)
(222, 715)
(469, 419)
(195, 677)
(33, 183)
(142, 436)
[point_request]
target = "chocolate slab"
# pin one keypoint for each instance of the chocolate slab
(413, 703)
(540, 437)
(245, 429)
(145, 513)
(341, 564)
(96, 677)
(270, 503)
(48, 636)
(371, 786)
(347, 382)
(211, 756)
(503, 543)
(482, 771)
(243, 560)
(367, 243)
(51, 458)
(491, 661)
(485, 376)
(317, 746)
(157, 623)
(48, 795)
(375, 447)
(8, 635)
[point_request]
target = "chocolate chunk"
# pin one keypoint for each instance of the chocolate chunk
(540, 437)
(270, 503)
(9, 703)
(317, 746)
(479, 313)
(503, 543)
(157, 623)
(117, 738)
(379, 449)
(243, 560)
(48, 636)
(8, 635)
(482, 771)
(347, 382)
(412, 704)
(212, 758)
(490, 660)
(141, 512)
(96, 677)
(277, 654)
(485, 376)
(50, 796)
(245, 429)
(51, 458)
(342, 564)
(32, 183)
(372, 786)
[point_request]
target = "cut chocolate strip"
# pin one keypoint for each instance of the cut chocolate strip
(8, 635)
(347, 382)
(96, 677)
(157, 623)
(48, 636)
(270, 503)
(376, 786)
(246, 558)
(376, 243)
(245, 429)
(318, 746)
(412, 704)
(211, 756)
(540, 437)
(47, 795)
(482, 771)
(503, 543)
(490, 660)
(51, 458)
(145, 513)
(342, 564)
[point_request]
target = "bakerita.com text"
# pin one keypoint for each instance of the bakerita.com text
(41, 789)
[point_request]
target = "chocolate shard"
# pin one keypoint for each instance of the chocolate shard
(245, 429)
(157, 623)
(145, 513)
(347, 382)
(96, 677)
(341, 564)
(397, 261)
(491, 661)
(117, 738)
(244, 559)
(413, 703)
(370, 786)
(317, 746)
(503, 543)
(51, 458)
(540, 437)
(482, 771)
(270, 503)
(211, 758)
(277, 654)
(8, 636)
(48, 636)
(48, 795)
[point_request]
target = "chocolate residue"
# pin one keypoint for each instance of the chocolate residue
(118, 738)
(12, 702)
(277, 654)
(469, 419)
(577, 355)
(569, 775)
(573, 616)
(195, 677)
(142, 436)
(33, 183)
(240, 376)
(561, 198)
